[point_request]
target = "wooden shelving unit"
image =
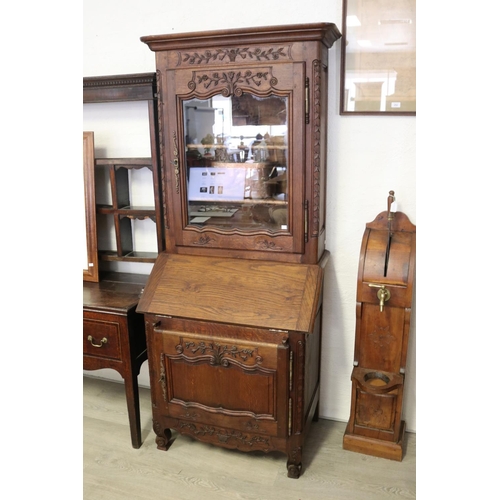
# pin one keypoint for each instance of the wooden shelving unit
(120, 88)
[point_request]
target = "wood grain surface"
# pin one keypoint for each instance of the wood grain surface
(113, 470)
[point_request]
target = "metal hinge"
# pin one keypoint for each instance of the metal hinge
(306, 221)
(307, 100)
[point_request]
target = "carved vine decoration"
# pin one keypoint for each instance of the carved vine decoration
(162, 147)
(316, 147)
(220, 354)
(299, 400)
(267, 54)
(223, 436)
(203, 240)
(232, 80)
(268, 245)
(162, 379)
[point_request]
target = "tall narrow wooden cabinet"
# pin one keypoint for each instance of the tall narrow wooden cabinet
(233, 307)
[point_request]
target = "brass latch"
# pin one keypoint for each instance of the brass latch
(383, 294)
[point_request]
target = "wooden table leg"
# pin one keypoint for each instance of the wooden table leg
(134, 414)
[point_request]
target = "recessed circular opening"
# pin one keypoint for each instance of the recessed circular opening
(377, 378)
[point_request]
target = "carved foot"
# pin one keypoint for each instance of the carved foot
(294, 470)
(163, 439)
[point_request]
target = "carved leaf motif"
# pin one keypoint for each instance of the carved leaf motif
(270, 54)
(269, 245)
(224, 436)
(221, 353)
(232, 80)
(203, 240)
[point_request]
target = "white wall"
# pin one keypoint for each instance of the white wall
(367, 157)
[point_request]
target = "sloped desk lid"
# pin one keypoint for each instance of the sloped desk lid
(238, 291)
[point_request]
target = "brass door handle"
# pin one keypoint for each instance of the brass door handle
(383, 294)
(102, 342)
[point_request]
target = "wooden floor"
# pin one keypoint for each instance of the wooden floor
(113, 470)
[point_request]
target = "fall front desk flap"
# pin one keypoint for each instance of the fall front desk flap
(238, 291)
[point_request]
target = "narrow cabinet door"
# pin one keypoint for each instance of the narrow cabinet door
(221, 381)
(235, 153)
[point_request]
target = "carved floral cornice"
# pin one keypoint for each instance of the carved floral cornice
(233, 54)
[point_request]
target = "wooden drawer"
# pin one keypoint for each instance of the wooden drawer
(101, 338)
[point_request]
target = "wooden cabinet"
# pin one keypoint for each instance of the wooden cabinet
(233, 307)
(247, 106)
(233, 349)
(122, 214)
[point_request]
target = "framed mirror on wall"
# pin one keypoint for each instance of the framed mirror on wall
(90, 258)
(378, 65)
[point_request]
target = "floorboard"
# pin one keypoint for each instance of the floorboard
(113, 470)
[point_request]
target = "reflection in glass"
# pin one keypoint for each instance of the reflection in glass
(379, 56)
(236, 159)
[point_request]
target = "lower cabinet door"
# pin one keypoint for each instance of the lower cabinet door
(227, 382)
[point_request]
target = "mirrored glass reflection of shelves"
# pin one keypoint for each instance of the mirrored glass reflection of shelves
(247, 196)
(236, 157)
(121, 214)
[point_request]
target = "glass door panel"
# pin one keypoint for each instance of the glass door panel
(237, 162)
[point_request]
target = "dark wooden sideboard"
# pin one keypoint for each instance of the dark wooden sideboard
(114, 336)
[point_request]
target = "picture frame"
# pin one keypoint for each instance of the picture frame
(90, 254)
(378, 58)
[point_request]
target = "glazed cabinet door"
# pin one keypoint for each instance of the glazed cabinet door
(220, 381)
(236, 141)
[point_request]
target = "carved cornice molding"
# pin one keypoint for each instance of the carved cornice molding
(117, 80)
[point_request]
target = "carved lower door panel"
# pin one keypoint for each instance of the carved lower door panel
(220, 389)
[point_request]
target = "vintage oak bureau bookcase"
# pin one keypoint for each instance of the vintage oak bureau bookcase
(233, 307)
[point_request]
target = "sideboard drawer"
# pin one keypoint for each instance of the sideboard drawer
(101, 338)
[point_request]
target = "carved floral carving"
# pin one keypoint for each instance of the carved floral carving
(220, 354)
(232, 54)
(268, 245)
(232, 80)
(203, 240)
(224, 436)
(316, 126)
